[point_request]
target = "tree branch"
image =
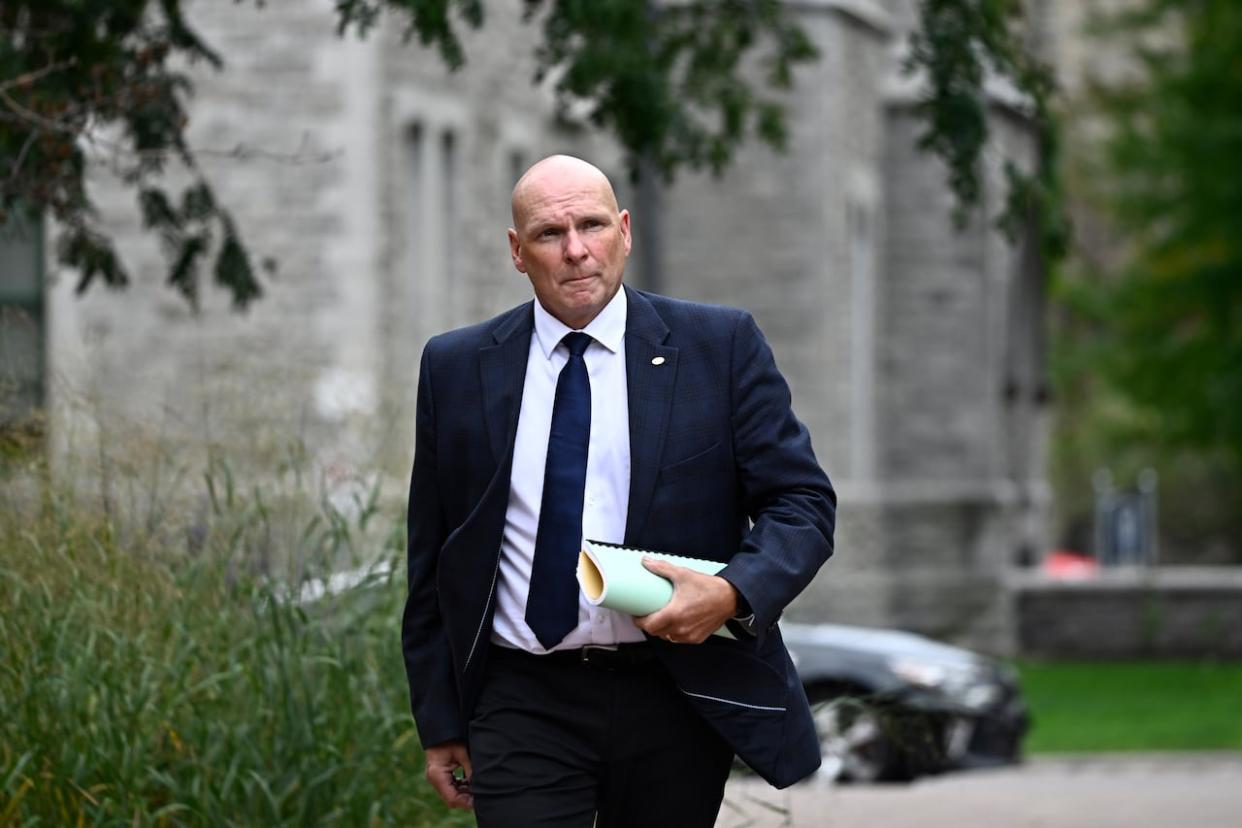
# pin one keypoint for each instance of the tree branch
(31, 77)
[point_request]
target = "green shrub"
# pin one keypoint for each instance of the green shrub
(144, 684)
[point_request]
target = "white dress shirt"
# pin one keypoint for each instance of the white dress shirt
(607, 493)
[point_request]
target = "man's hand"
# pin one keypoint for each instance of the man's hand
(442, 762)
(700, 605)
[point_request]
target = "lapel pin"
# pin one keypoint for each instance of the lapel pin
(657, 360)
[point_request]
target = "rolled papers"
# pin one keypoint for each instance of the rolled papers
(614, 577)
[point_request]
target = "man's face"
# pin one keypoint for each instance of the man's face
(571, 241)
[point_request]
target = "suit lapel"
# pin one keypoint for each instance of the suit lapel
(502, 368)
(650, 368)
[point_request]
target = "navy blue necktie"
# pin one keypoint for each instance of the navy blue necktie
(552, 602)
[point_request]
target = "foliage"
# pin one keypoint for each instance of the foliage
(94, 81)
(1173, 314)
(146, 683)
(1150, 340)
(963, 47)
(106, 81)
(665, 77)
(1148, 705)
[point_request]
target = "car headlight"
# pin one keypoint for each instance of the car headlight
(964, 685)
(979, 696)
(922, 673)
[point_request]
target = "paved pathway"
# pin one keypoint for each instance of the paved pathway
(1179, 790)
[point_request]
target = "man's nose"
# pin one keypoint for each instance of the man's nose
(575, 250)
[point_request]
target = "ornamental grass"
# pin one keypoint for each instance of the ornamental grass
(161, 665)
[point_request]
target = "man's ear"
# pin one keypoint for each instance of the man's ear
(515, 250)
(625, 230)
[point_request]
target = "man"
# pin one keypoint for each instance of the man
(602, 412)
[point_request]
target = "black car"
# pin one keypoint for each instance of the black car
(892, 705)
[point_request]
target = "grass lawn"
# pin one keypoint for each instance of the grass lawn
(1148, 705)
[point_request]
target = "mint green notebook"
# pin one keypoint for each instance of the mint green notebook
(614, 577)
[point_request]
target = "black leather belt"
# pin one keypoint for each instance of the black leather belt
(593, 656)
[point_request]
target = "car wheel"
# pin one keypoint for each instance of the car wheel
(853, 741)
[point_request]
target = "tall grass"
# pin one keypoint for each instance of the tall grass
(157, 674)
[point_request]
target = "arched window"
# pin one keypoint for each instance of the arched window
(22, 322)
(860, 220)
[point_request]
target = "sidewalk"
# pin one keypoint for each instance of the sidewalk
(1148, 790)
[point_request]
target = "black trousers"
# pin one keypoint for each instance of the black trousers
(558, 744)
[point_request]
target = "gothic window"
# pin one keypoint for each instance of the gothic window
(451, 230)
(517, 166)
(433, 236)
(22, 323)
(860, 219)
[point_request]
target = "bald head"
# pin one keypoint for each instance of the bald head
(555, 174)
(569, 237)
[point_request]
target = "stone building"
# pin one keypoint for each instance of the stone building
(379, 182)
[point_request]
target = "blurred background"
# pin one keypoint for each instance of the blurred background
(1031, 415)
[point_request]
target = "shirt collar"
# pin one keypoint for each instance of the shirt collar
(607, 328)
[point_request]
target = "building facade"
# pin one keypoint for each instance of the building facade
(379, 182)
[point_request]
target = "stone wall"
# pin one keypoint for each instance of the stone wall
(1182, 612)
(306, 137)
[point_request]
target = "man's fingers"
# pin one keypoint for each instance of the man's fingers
(450, 794)
(697, 608)
(665, 569)
(453, 791)
(656, 624)
(459, 757)
(442, 782)
(442, 763)
(666, 624)
(652, 623)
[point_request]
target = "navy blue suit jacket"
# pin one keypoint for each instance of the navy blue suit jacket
(719, 468)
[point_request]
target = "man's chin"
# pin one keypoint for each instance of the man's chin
(584, 298)
(578, 314)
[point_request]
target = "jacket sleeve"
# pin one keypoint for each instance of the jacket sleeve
(428, 661)
(784, 492)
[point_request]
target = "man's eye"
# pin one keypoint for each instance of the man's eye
(548, 233)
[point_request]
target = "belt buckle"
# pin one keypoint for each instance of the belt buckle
(601, 661)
